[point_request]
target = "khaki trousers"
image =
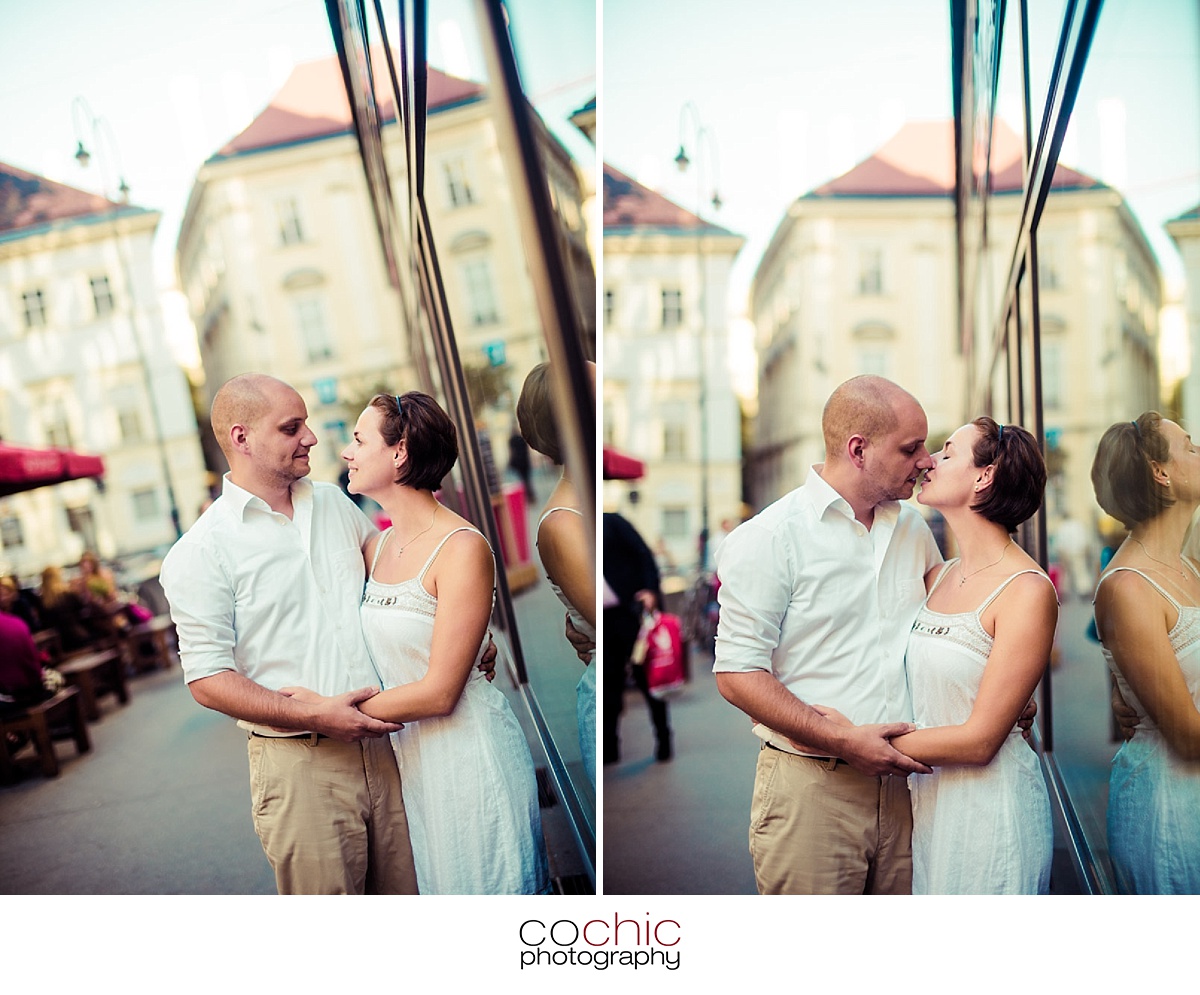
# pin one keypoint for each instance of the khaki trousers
(821, 828)
(330, 816)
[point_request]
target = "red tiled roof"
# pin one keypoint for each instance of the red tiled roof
(919, 161)
(628, 204)
(313, 104)
(27, 199)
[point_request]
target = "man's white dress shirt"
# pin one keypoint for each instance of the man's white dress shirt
(272, 598)
(825, 604)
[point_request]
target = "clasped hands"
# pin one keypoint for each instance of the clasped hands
(338, 716)
(869, 749)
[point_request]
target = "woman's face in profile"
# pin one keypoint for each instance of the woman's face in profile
(1184, 465)
(369, 460)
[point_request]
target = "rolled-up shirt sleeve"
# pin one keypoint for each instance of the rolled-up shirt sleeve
(201, 595)
(755, 591)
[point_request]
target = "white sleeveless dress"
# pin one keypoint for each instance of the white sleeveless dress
(1153, 795)
(469, 786)
(976, 830)
(585, 690)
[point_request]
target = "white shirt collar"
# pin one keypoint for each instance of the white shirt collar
(239, 499)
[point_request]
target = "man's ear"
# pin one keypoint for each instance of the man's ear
(987, 475)
(240, 437)
(856, 450)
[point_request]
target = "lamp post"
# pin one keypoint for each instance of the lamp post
(704, 144)
(101, 129)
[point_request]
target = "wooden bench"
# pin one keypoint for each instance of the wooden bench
(59, 717)
(158, 634)
(96, 674)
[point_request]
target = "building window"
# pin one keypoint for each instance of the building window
(57, 427)
(1051, 374)
(313, 328)
(291, 231)
(11, 532)
(145, 504)
(338, 437)
(102, 296)
(458, 185)
(610, 302)
(875, 362)
(80, 521)
(1049, 272)
(34, 302)
(477, 275)
(672, 308)
(675, 523)
(130, 420)
(870, 272)
(675, 431)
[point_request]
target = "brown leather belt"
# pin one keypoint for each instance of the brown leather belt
(804, 756)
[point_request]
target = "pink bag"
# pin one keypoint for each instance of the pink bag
(664, 655)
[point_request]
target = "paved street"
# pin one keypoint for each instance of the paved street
(161, 805)
(680, 828)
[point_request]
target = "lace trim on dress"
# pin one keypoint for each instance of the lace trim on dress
(411, 593)
(963, 628)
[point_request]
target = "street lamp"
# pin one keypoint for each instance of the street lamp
(704, 145)
(100, 128)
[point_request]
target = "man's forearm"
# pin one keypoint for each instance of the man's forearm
(761, 696)
(240, 698)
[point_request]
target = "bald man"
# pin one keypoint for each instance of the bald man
(264, 591)
(818, 594)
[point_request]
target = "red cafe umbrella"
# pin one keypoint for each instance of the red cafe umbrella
(618, 466)
(23, 469)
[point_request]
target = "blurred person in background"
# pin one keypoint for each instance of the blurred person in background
(65, 611)
(632, 589)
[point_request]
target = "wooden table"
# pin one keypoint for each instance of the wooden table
(96, 674)
(159, 633)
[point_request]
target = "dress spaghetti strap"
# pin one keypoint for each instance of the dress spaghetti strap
(1008, 580)
(946, 567)
(438, 549)
(1146, 577)
(547, 513)
(378, 549)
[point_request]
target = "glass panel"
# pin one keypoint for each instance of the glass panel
(472, 193)
(1112, 285)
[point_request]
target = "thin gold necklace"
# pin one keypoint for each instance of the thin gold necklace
(1157, 560)
(400, 551)
(964, 577)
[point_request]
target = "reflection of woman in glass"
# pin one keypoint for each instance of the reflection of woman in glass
(562, 545)
(1147, 474)
(469, 786)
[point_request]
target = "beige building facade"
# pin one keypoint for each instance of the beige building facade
(85, 364)
(281, 264)
(860, 277)
(668, 393)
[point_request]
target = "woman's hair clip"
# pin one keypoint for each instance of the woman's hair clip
(999, 432)
(399, 406)
(1136, 428)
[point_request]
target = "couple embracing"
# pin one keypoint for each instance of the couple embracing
(863, 658)
(292, 609)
